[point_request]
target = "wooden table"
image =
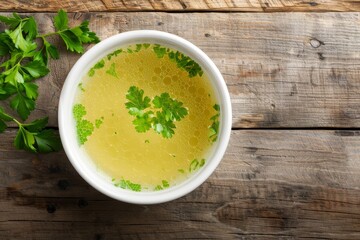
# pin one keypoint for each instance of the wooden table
(292, 169)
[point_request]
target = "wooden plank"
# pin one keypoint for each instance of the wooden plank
(270, 184)
(180, 5)
(282, 70)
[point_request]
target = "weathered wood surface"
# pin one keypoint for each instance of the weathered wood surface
(271, 184)
(180, 5)
(282, 70)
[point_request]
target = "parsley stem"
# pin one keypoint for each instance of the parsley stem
(17, 122)
(43, 36)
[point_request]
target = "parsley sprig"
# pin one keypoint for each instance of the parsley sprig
(182, 61)
(25, 54)
(165, 112)
(32, 136)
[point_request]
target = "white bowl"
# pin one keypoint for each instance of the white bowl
(67, 126)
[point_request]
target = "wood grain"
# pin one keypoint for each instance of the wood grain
(271, 184)
(180, 5)
(282, 70)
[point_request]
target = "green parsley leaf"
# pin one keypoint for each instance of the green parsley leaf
(61, 20)
(25, 62)
(79, 111)
(159, 51)
(47, 141)
(214, 127)
(84, 129)
(3, 126)
(137, 101)
(143, 122)
(6, 44)
(74, 37)
(112, 71)
(84, 34)
(161, 121)
(115, 53)
(25, 140)
(12, 22)
(138, 47)
(4, 118)
(80, 85)
(71, 41)
(30, 28)
(19, 40)
(34, 138)
(37, 125)
(7, 90)
(127, 184)
(164, 184)
(36, 69)
(163, 126)
(98, 65)
(186, 63)
(99, 122)
(173, 109)
(22, 105)
(196, 164)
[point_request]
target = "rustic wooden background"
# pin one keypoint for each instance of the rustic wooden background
(292, 169)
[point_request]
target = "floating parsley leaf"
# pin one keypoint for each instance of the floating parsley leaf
(80, 85)
(98, 122)
(173, 109)
(138, 47)
(98, 65)
(159, 51)
(186, 63)
(127, 184)
(143, 122)
(111, 71)
(84, 128)
(115, 53)
(79, 111)
(196, 164)
(164, 184)
(161, 121)
(182, 61)
(137, 101)
(163, 126)
(214, 127)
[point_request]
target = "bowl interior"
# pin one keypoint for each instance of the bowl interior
(83, 163)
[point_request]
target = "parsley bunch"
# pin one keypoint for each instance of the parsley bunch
(162, 121)
(25, 54)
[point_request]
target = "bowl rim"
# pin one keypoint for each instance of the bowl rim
(66, 122)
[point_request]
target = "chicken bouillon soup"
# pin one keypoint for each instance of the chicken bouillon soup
(147, 116)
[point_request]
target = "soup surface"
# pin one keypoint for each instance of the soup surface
(147, 116)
